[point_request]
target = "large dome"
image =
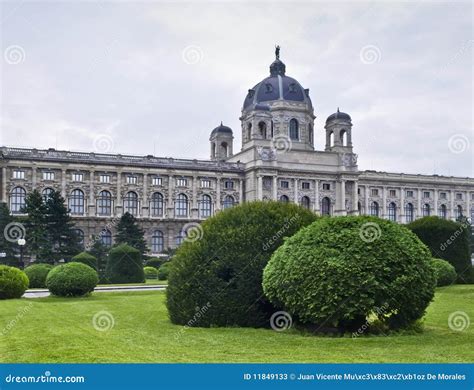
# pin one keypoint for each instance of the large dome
(276, 87)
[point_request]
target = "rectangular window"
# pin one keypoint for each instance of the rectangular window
(375, 192)
(305, 185)
(458, 196)
(284, 184)
(17, 174)
(409, 194)
(205, 183)
(326, 186)
(443, 195)
(48, 175)
(181, 182)
(132, 180)
(77, 177)
(392, 193)
(358, 191)
(228, 184)
(426, 194)
(104, 178)
(156, 181)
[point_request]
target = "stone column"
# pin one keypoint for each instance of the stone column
(170, 212)
(218, 193)
(402, 218)
(259, 187)
(451, 212)
(343, 210)
(468, 205)
(296, 182)
(316, 206)
(63, 183)
(366, 199)
(241, 191)
(4, 185)
(355, 198)
(195, 204)
(384, 202)
(91, 207)
(275, 188)
(33, 177)
(119, 205)
(418, 206)
(145, 204)
(435, 211)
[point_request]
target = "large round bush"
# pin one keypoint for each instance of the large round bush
(86, 258)
(150, 273)
(71, 280)
(445, 273)
(341, 272)
(220, 266)
(164, 271)
(13, 282)
(37, 274)
(124, 265)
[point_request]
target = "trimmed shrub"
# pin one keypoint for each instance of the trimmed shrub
(71, 280)
(87, 259)
(446, 240)
(155, 262)
(340, 272)
(124, 265)
(13, 282)
(444, 272)
(150, 273)
(220, 267)
(37, 274)
(164, 271)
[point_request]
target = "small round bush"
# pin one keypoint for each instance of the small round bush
(124, 265)
(155, 262)
(221, 265)
(340, 272)
(13, 282)
(37, 274)
(150, 272)
(71, 280)
(164, 271)
(86, 258)
(445, 273)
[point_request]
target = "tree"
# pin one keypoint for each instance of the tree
(63, 239)
(7, 246)
(128, 232)
(37, 243)
(100, 252)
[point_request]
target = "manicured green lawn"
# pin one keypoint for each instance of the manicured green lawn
(61, 330)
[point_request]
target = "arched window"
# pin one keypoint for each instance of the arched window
(374, 209)
(77, 202)
(311, 134)
(80, 237)
(326, 206)
(458, 212)
(305, 202)
(180, 238)
(249, 131)
(426, 210)
(443, 211)
(409, 212)
(130, 203)
(262, 128)
(17, 200)
(331, 139)
(104, 203)
(284, 199)
(224, 149)
(294, 130)
(228, 202)
(46, 193)
(213, 150)
(271, 129)
(181, 206)
(157, 241)
(106, 237)
(392, 212)
(205, 206)
(343, 137)
(359, 207)
(157, 205)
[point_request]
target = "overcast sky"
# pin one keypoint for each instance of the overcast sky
(157, 77)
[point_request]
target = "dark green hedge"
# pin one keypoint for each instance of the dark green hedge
(444, 272)
(87, 259)
(124, 265)
(446, 240)
(340, 272)
(13, 282)
(155, 262)
(164, 271)
(150, 272)
(71, 280)
(37, 274)
(222, 271)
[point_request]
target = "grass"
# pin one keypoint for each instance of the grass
(60, 330)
